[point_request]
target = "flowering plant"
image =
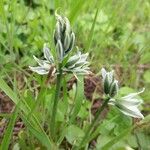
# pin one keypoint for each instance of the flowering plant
(64, 40)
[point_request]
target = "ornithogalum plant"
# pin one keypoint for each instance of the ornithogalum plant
(64, 40)
(65, 63)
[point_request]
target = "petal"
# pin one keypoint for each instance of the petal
(130, 111)
(81, 71)
(130, 102)
(40, 62)
(59, 49)
(81, 63)
(39, 70)
(103, 71)
(84, 56)
(47, 54)
(111, 76)
(132, 95)
(67, 23)
(112, 101)
(72, 60)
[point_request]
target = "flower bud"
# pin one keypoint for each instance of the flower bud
(106, 84)
(72, 41)
(59, 50)
(113, 89)
(67, 41)
(64, 34)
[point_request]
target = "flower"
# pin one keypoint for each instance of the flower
(128, 105)
(44, 65)
(64, 38)
(110, 85)
(77, 64)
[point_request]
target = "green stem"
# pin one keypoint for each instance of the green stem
(89, 129)
(54, 109)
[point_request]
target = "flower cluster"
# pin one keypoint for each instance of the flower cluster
(128, 105)
(64, 40)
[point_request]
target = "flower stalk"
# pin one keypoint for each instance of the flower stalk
(92, 125)
(55, 104)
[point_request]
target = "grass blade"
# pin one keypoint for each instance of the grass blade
(9, 131)
(90, 37)
(76, 9)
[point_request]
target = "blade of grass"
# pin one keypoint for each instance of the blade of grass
(4, 18)
(90, 37)
(76, 9)
(9, 131)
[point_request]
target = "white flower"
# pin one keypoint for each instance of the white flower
(110, 85)
(128, 105)
(44, 65)
(77, 64)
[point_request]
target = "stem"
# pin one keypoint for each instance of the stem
(54, 109)
(89, 129)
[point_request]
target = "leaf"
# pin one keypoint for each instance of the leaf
(144, 140)
(90, 37)
(78, 99)
(9, 131)
(145, 58)
(74, 134)
(116, 139)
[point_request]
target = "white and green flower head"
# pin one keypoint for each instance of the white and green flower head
(77, 64)
(110, 84)
(64, 38)
(64, 42)
(129, 104)
(44, 65)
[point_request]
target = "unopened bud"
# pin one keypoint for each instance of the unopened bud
(106, 84)
(72, 41)
(64, 33)
(67, 41)
(113, 88)
(59, 50)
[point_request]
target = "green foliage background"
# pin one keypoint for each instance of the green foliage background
(115, 33)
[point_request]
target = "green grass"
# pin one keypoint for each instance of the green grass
(115, 33)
